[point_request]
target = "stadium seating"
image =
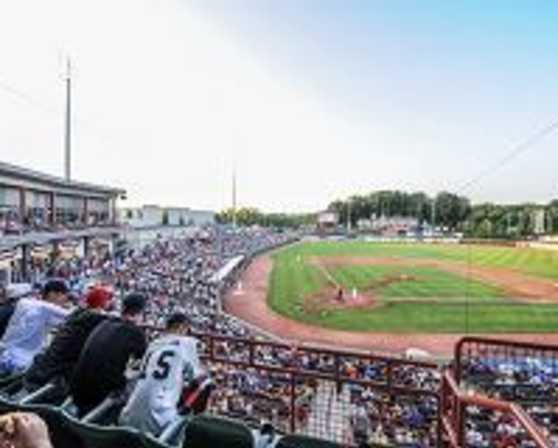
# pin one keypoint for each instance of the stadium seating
(296, 441)
(300, 441)
(205, 431)
(95, 436)
(69, 432)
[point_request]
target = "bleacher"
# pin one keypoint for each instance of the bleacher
(455, 415)
(98, 429)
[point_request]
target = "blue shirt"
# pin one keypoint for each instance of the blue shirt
(27, 331)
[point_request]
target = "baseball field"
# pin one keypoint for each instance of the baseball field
(416, 288)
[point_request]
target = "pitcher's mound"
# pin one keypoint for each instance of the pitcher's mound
(329, 299)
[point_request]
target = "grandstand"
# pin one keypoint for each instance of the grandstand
(365, 287)
(310, 396)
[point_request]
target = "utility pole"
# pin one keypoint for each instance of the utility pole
(349, 216)
(433, 223)
(67, 125)
(234, 197)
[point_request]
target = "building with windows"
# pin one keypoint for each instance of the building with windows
(327, 221)
(151, 216)
(43, 216)
(394, 225)
(34, 201)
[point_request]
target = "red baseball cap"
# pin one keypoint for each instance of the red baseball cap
(98, 297)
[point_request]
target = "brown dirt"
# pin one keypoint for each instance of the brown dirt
(251, 305)
(515, 284)
(327, 299)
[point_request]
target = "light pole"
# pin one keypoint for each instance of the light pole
(349, 215)
(67, 124)
(433, 220)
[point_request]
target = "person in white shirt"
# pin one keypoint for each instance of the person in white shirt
(170, 365)
(28, 328)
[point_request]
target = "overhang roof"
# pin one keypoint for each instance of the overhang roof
(17, 172)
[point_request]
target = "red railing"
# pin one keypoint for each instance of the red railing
(454, 405)
(513, 372)
(313, 390)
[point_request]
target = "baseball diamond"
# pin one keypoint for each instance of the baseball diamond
(397, 296)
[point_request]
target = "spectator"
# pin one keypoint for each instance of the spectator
(170, 364)
(60, 358)
(102, 363)
(28, 328)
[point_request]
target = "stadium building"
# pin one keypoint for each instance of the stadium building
(31, 200)
(152, 216)
(41, 214)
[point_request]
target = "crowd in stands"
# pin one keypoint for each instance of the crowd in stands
(527, 378)
(97, 304)
(114, 306)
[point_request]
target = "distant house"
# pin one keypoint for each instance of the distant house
(327, 221)
(394, 225)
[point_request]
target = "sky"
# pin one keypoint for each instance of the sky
(310, 100)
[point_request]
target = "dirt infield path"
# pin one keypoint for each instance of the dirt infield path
(250, 304)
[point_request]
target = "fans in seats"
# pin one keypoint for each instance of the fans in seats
(112, 344)
(59, 359)
(170, 363)
(28, 327)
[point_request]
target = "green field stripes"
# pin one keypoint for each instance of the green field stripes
(427, 282)
(429, 318)
(434, 301)
(543, 263)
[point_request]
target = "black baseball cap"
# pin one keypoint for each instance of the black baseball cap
(133, 303)
(176, 319)
(55, 285)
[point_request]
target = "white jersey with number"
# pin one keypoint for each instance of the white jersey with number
(169, 364)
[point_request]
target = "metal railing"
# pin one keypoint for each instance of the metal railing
(517, 372)
(314, 391)
(455, 409)
(471, 351)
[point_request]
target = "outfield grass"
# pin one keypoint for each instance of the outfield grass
(460, 305)
(542, 263)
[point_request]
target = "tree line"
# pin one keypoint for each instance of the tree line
(489, 220)
(249, 216)
(447, 210)
(450, 211)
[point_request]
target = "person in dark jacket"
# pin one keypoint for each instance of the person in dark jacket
(102, 363)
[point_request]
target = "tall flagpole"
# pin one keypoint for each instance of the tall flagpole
(67, 126)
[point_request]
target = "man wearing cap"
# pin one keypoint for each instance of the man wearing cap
(170, 363)
(60, 357)
(102, 363)
(29, 326)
